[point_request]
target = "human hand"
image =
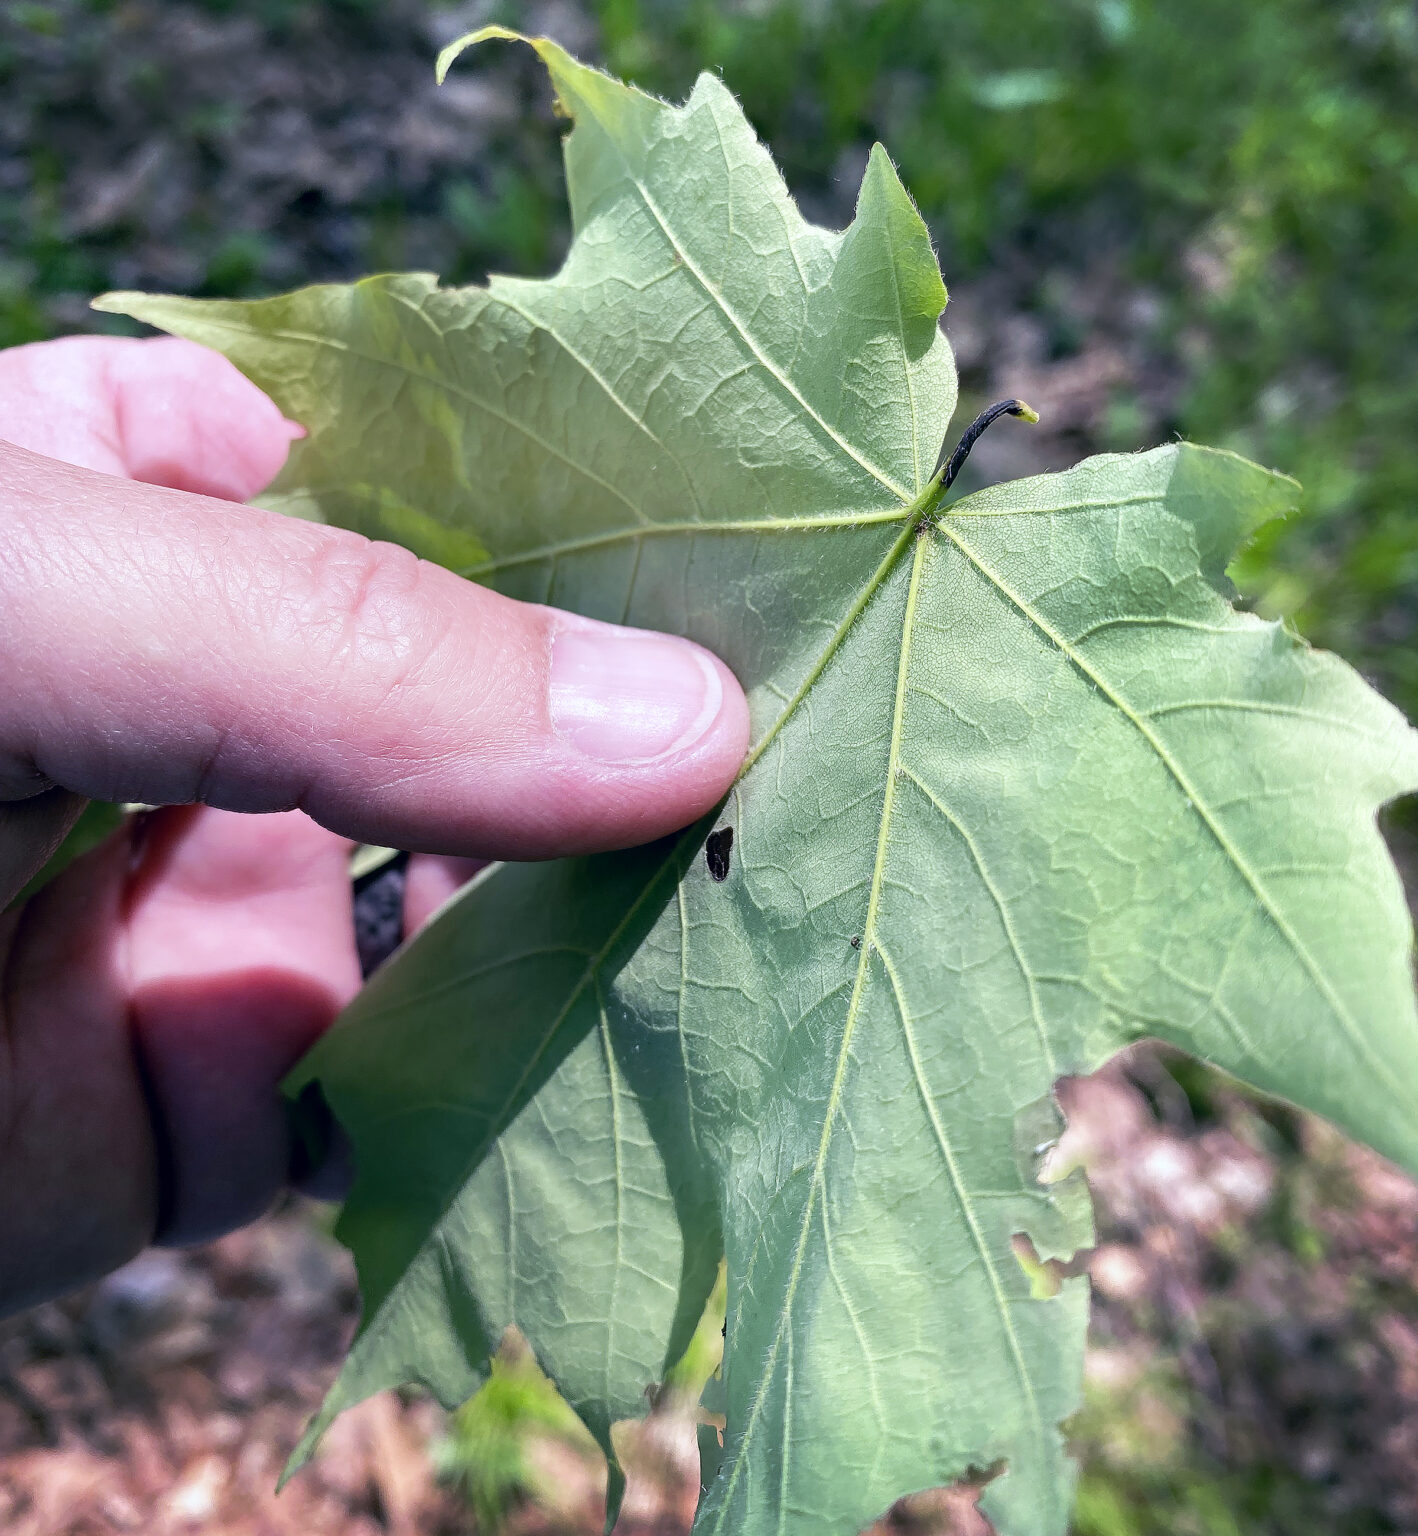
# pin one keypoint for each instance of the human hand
(160, 644)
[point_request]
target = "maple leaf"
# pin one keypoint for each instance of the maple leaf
(1024, 788)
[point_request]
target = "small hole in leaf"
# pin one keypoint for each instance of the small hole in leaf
(1046, 1276)
(717, 851)
(952, 1511)
(1043, 1274)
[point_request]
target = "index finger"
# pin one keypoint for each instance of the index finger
(163, 411)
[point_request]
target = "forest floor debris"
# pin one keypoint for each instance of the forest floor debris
(1255, 1340)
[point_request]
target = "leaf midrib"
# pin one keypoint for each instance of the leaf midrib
(712, 292)
(498, 1122)
(845, 521)
(868, 946)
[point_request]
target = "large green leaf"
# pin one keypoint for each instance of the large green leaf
(1024, 788)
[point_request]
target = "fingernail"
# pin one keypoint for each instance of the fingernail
(630, 696)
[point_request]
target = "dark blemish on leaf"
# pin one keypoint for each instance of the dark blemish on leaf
(856, 941)
(717, 851)
(947, 469)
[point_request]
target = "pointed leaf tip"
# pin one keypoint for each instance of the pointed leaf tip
(886, 209)
(460, 45)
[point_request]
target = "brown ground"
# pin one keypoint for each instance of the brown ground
(1256, 1312)
(163, 1400)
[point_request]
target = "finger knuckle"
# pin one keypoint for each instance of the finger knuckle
(368, 605)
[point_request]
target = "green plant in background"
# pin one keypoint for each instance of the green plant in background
(1024, 788)
(487, 1451)
(490, 1449)
(1143, 1478)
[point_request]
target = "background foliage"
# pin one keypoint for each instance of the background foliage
(1244, 179)
(1155, 218)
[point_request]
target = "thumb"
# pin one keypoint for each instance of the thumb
(166, 647)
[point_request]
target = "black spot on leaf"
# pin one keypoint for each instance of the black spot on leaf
(717, 851)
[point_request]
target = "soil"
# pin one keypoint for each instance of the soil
(1255, 1307)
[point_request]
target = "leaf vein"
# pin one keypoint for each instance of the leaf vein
(1183, 781)
(765, 362)
(962, 1194)
(309, 338)
(996, 896)
(848, 1030)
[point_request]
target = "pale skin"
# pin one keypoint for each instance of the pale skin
(281, 689)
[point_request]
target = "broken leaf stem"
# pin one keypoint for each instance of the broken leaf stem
(971, 435)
